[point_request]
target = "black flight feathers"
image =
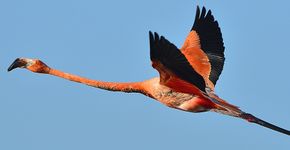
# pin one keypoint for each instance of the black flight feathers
(211, 41)
(171, 57)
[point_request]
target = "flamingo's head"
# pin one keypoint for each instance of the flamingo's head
(33, 65)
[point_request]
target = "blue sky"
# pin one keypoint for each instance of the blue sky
(108, 40)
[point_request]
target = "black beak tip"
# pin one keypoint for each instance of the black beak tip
(14, 65)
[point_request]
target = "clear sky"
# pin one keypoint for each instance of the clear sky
(108, 40)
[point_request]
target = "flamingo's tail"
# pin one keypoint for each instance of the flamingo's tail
(224, 107)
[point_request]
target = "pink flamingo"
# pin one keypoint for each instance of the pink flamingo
(187, 75)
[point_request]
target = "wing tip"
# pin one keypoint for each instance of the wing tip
(155, 42)
(150, 33)
(153, 35)
(203, 15)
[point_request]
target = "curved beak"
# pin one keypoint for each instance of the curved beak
(18, 63)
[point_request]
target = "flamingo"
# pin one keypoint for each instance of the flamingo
(187, 76)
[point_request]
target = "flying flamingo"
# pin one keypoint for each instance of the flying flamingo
(187, 76)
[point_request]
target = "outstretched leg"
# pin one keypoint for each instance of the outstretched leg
(253, 119)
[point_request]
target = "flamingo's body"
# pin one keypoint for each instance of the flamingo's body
(187, 76)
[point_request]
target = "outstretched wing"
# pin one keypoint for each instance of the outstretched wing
(172, 65)
(204, 47)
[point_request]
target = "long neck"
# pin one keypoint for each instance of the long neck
(111, 86)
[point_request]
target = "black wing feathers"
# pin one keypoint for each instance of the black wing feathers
(211, 41)
(171, 57)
